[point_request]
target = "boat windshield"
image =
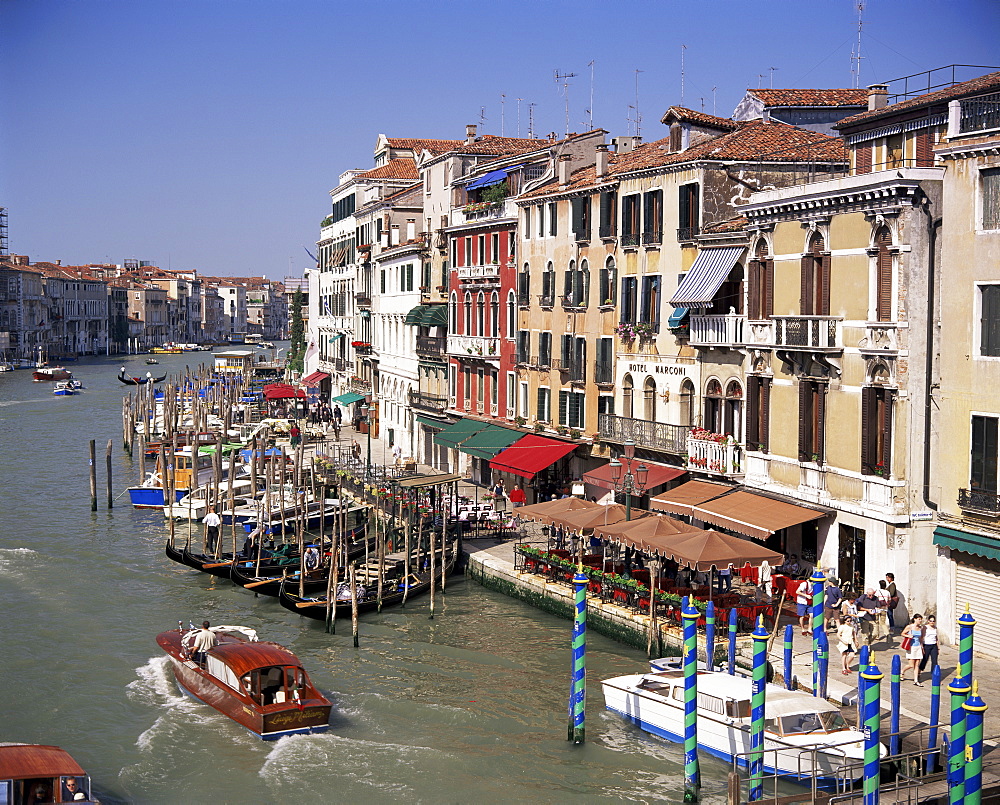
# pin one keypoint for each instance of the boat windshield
(807, 723)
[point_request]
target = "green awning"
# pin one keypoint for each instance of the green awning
(227, 448)
(966, 542)
(431, 423)
(336, 337)
(347, 399)
(490, 441)
(454, 435)
(435, 316)
(415, 316)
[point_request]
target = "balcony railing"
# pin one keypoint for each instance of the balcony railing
(650, 238)
(712, 330)
(607, 231)
(431, 344)
(576, 371)
(546, 300)
(980, 501)
(807, 332)
(487, 272)
(428, 402)
(571, 302)
(541, 361)
(645, 433)
(631, 239)
(481, 212)
(477, 346)
(687, 233)
(604, 372)
(523, 299)
(363, 299)
(339, 365)
(362, 349)
(721, 458)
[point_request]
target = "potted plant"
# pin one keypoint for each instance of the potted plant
(561, 430)
(539, 427)
(520, 420)
(574, 433)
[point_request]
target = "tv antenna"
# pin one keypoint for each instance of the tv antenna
(482, 119)
(563, 78)
(590, 111)
(683, 48)
(638, 115)
(713, 99)
(519, 116)
(856, 51)
(531, 120)
(760, 77)
(503, 99)
(772, 69)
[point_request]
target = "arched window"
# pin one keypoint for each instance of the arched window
(687, 403)
(649, 399)
(468, 314)
(524, 286)
(760, 293)
(495, 315)
(883, 275)
(511, 315)
(481, 314)
(815, 298)
(569, 284)
(548, 297)
(608, 283)
(583, 296)
(733, 414)
(627, 396)
(713, 406)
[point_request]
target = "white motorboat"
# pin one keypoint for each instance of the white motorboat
(804, 736)
(195, 504)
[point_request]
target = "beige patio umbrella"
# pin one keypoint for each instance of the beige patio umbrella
(704, 550)
(633, 532)
(545, 512)
(586, 520)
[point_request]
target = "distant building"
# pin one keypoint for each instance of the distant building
(815, 109)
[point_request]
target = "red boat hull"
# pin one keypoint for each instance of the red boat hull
(51, 373)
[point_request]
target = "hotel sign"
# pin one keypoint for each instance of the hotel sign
(659, 368)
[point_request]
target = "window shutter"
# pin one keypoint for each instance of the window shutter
(577, 210)
(568, 285)
(768, 294)
(886, 457)
(825, 286)
(863, 159)
(684, 207)
(805, 421)
(566, 350)
(925, 152)
(763, 434)
(820, 419)
(563, 407)
(753, 290)
(805, 304)
(990, 329)
(867, 429)
(540, 406)
(753, 412)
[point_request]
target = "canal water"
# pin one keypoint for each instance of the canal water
(470, 706)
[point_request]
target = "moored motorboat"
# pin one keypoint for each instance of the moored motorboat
(38, 773)
(804, 736)
(191, 470)
(51, 373)
(151, 361)
(259, 685)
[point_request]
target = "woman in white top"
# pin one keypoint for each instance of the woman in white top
(916, 650)
(847, 642)
(929, 641)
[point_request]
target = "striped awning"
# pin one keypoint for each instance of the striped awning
(706, 275)
(415, 316)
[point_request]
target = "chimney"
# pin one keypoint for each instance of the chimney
(878, 96)
(601, 163)
(565, 161)
(394, 238)
(411, 228)
(470, 133)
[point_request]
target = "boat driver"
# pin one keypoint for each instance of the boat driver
(203, 641)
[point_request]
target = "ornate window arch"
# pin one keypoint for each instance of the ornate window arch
(649, 399)
(627, 402)
(687, 402)
(882, 247)
(511, 315)
(815, 277)
(468, 313)
(713, 406)
(494, 315)
(481, 314)
(453, 305)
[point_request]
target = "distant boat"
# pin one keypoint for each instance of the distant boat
(151, 361)
(138, 381)
(64, 388)
(36, 773)
(51, 373)
(166, 350)
(261, 686)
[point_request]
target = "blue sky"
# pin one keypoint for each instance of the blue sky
(207, 134)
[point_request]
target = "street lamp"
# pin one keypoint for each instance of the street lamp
(632, 482)
(366, 413)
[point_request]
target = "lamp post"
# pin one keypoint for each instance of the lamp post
(633, 482)
(366, 413)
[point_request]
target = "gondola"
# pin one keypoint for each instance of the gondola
(139, 381)
(392, 593)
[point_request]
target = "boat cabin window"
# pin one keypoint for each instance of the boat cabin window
(712, 704)
(5, 792)
(806, 723)
(280, 684)
(738, 709)
(221, 671)
(72, 786)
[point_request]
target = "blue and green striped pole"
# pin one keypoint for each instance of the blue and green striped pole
(732, 641)
(966, 623)
(578, 694)
(935, 718)
(894, 699)
(818, 600)
(789, 635)
(710, 636)
(692, 776)
(757, 704)
(871, 679)
(959, 690)
(974, 709)
(824, 662)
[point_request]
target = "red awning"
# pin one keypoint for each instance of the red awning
(282, 391)
(314, 378)
(658, 475)
(531, 454)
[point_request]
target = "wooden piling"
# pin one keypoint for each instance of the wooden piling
(93, 475)
(432, 567)
(354, 606)
(107, 462)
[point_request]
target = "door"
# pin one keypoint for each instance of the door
(974, 575)
(851, 564)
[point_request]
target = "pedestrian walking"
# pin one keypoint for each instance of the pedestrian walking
(929, 642)
(337, 414)
(295, 434)
(832, 597)
(847, 642)
(867, 606)
(913, 646)
(517, 496)
(803, 599)
(893, 592)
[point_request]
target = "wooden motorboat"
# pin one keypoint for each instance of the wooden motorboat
(392, 592)
(51, 373)
(804, 736)
(261, 686)
(37, 773)
(191, 470)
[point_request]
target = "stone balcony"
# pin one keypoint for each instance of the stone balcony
(475, 346)
(487, 274)
(723, 458)
(717, 331)
(427, 402)
(645, 433)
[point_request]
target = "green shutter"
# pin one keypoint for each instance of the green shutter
(563, 407)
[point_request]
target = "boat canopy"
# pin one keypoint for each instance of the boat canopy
(780, 702)
(243, 658)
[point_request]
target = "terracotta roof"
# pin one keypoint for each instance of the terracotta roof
(578, 180)
(985, 83)
(434, 146)
(698, 118)
(752, 140)
(492, 145)
(404, 168)
(811, 97)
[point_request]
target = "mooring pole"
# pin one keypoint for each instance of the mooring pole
(935, 718)
(692, 776)
(871, 702)
(93, 475)
(107, 463)
(894, 674)
(758, 701)
(787, 647)
(578, 690)
(732, 641)
(974, 708)
(959, 690)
